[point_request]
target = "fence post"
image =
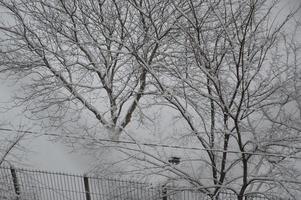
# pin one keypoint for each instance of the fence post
(164, 192)
(87, 188)
(15, 182)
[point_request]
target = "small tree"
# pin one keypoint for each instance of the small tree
(10, 142)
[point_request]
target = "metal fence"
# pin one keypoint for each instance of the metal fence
(24, 184)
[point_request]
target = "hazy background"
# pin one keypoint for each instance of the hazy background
(42, 153)
(47, 155)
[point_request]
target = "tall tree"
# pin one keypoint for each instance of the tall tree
(231, 73)
(76, 60)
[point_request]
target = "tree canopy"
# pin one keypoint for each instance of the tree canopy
(229, 68)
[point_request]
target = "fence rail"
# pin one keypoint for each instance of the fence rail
(24, 184)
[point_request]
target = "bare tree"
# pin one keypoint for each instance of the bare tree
(229, 68)
(77, 60)
(231, 73)
(9, 144)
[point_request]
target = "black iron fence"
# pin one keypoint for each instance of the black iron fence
(24, 184)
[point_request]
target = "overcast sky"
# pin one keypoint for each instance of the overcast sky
(48, 155)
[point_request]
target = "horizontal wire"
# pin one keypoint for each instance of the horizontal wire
(170, 146)
(158, 145)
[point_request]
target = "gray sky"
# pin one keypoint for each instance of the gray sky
(43, 153)
(54, 156)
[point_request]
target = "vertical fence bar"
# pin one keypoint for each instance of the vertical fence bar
(87, 188)
(15, 182)
(120, 188)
